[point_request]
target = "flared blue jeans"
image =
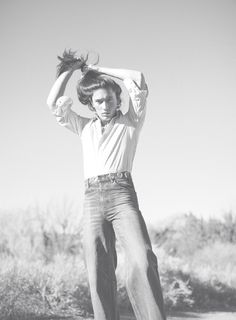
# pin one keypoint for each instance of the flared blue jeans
(111, 212)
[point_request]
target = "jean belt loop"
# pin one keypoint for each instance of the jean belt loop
(128, 176)
(112, 177)
(87, 183)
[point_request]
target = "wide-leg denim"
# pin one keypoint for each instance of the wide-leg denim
(111, 211)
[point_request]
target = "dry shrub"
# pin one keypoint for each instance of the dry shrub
(42, 268)
(39, 289)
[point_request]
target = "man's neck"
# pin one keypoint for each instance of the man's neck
(105, 123)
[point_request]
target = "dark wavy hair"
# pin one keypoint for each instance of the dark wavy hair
(69, 59)
(93, 80)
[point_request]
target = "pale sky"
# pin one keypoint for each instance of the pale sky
(186, 49)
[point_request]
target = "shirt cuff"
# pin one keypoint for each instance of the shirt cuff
(133, 89)
(63, 105)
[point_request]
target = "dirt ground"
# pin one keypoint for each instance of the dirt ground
(196, 316)
(174, 316)
(204, 316)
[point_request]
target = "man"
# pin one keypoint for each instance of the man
(111, 209)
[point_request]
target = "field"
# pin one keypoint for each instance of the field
(205, 316)
(42, 273)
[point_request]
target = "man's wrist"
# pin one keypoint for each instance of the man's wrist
(93, 67)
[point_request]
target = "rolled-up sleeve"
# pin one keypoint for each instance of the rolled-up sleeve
(66, 117)
(138, 100)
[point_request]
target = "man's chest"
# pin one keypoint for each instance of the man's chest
(110, 136)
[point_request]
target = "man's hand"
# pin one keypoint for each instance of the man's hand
(71, 62)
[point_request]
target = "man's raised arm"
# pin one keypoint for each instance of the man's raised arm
(136, 86)
(122, 74)
(60, 105)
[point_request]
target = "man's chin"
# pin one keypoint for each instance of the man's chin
(106, 118)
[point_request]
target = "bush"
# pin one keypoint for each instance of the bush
(36, 288)
(42, 269)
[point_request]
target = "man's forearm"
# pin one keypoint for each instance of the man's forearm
(58, 88)
(122, 74)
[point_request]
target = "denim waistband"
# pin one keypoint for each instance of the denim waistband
(109, 177)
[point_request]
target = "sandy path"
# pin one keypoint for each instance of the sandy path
(196, 316)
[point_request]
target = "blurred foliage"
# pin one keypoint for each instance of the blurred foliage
(42, 270)
(188, 233)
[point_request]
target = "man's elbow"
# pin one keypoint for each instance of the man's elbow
(50, 103)
(142, 82)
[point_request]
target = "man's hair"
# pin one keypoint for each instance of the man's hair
(93, 80)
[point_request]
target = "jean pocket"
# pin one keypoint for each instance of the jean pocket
(123, 182)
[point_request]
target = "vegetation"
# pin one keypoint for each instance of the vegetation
(42, 270)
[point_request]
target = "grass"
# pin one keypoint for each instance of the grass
(42, 272)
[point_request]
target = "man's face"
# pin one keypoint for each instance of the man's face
(104, 102)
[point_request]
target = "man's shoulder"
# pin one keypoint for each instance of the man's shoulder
(126, 120)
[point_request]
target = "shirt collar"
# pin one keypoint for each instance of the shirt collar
(116, 116)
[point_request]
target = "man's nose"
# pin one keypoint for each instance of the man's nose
(105, 105)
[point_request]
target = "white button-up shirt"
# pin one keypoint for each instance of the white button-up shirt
(112, 149)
